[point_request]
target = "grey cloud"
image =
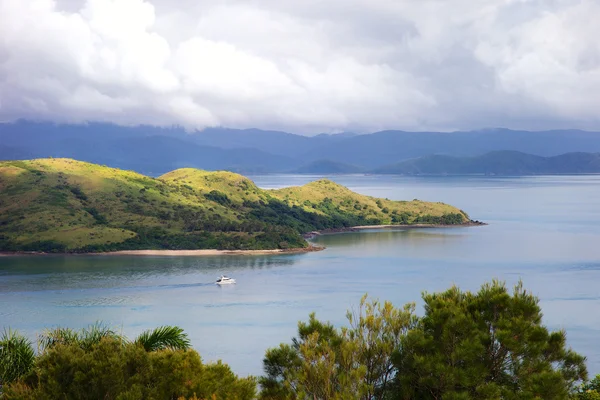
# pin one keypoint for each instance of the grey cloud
(307, 66)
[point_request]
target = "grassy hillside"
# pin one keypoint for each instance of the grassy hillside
(66, 205)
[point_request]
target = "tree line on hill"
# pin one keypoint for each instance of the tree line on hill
(489, 344)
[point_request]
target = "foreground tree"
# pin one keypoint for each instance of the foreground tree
(349, 363)
(485, 345)
(314, 366)
(376, 330)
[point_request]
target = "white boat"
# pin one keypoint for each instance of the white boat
(223, 280)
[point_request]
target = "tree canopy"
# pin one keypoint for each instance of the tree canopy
(485, 345)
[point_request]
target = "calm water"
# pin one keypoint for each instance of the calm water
(544, 230)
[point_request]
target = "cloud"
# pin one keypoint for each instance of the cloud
(307, 66)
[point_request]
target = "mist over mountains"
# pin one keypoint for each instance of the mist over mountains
(154, 150)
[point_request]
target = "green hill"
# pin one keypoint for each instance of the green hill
(63, 205)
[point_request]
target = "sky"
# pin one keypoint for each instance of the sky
(305, 66)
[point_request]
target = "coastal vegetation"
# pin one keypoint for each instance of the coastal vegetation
(63, 205)
(98, 363)
(489, 344)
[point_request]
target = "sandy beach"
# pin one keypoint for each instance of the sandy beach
(208, 252)
(177, 253)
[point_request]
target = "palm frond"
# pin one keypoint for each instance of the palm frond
(55, 336)
(164, 337)
(16, 356)
(85, 338)
(94, 333)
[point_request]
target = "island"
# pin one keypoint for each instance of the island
(58, 205)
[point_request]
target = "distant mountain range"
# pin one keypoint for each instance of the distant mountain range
(329, 167)
(497, 163)
(154, 150)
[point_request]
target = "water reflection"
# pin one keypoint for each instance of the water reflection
(80, 272)
(368, 237)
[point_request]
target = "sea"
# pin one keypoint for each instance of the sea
(542, 230)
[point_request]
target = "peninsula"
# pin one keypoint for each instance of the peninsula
(68, 206)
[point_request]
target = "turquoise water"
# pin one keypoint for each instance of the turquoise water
(544, 230)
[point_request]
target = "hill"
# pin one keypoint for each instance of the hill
(327, 167)
(498, 163)
(154, 150)
(63, 205)
(148, 150)
(389, 147)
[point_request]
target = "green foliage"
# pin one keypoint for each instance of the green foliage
(97, 363)
(164, 337)
(16, 357)
(52, 337)
(76, 190)
(349, 363)
(100, 219)
(377, 329)
(589, 390)
(111, 370)
(85, 338)
(320, 364)
(446, 219)
(218, 197)
(161, 338)
(42, 246)
(483, 345)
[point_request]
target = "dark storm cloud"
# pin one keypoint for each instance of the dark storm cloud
(305, 66)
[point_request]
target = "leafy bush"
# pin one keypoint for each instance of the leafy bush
(100, 219)
(218, 197)
(76, 190)
(485, 345)
(44, 246)
(110, 370)
(97, 363)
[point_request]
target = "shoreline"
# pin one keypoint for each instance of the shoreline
(175, 253)
(359, 228)
(214, 252)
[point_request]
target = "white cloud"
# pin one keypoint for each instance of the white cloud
(305, 66)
